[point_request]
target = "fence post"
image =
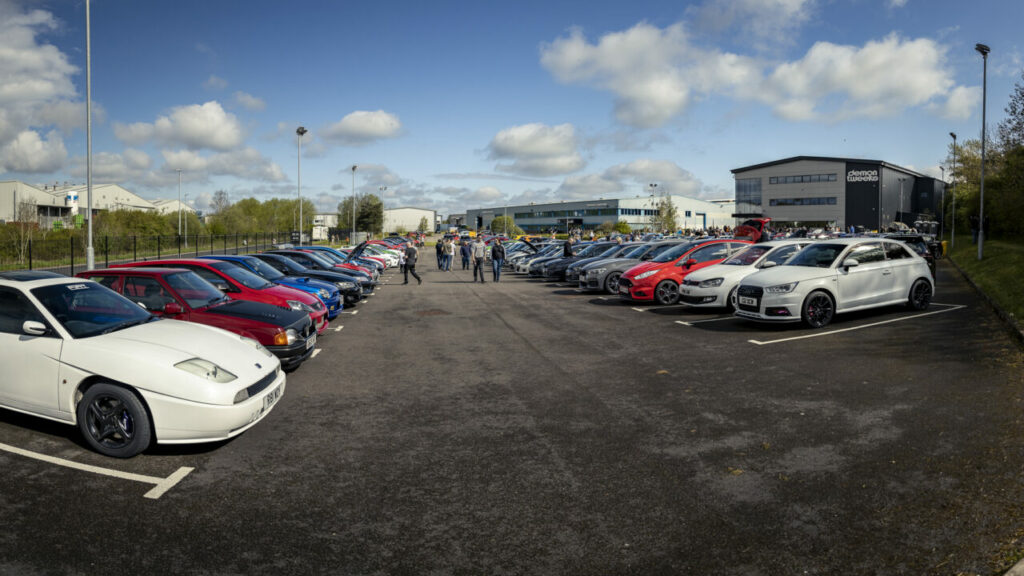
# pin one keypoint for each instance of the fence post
(196, 244)
(135, 250)
(211, 242)
(29, 253)
(179, 245)
(72, 256)
(158, 247)
(106, 251)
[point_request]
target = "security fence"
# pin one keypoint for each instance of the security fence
(67, 255)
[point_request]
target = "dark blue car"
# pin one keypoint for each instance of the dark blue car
(325, 291)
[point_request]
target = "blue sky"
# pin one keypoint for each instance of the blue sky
(460, 105)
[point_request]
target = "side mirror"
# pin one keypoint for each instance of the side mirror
(34, 328)
(646, 256)
(173, 308)
(222, 286)
(691, 262)
(850, 263)
(769, 264)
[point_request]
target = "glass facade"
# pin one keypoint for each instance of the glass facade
(829, 201)
(748, 195)
(802, 179)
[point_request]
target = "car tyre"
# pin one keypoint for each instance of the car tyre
(818, 309)
(666, 293)
(920, 295)
(730, 300)
(114, 421)
(611, 284)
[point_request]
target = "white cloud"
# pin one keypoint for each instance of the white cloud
(196, 127)
(656, 74)
(132, 165)
(32, 154)
(250, 102)
(962, 102)
(362, 127)
(897, 3)
(764, 22)
(630, 180)
(246, 163)
(215, 82)
(537, 150)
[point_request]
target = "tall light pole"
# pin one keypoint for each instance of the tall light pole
(952, 176)
(650, 218)
(90, 253)
(942, 206)
(899, 209)
(983, 50)
(179, 201)
(354, 204)
(300, 131)
(186, 223)
(382, 189)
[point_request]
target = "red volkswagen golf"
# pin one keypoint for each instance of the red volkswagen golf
(240, 284)
(658, 280)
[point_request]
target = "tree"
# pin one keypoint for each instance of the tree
(505, 225)
(1011, 129)
(370, 214)
(345, 214)
(622, 227)
(423, 227)
(665, 220)
(606, 227)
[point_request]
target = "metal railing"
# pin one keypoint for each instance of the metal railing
(67, 255)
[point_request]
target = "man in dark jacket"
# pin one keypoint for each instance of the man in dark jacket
(567, 249)
(465, 251)
(411, 253)
(497, 259)
(440, 255)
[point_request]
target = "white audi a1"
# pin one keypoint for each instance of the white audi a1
(831, 277)
(715, 286)
(76, 352)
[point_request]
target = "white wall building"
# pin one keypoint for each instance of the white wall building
(408, 219)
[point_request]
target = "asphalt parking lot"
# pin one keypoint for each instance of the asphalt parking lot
(528, 428)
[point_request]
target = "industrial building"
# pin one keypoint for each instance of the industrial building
(639, 212)
(60, 205)
(843, 192)
(408, 219)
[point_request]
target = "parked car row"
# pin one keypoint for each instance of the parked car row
(182, 350)
(786, 280)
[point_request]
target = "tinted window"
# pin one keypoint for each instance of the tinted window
(780, 255)
(817, 255)
(894, 251)
(865, 253)
(196, 291)
(747, 257)
(708, 253)
(88, 309)
(15, 310)
(241, 275)
(675, 251)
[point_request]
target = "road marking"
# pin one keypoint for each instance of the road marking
(816, 335)
(708, 320)
(161, 485)
(316, 351)
(354, 312)
(640, 309)
(338, 329)
(601, 298)
(666, 307)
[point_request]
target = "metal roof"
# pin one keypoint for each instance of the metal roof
(827, 159)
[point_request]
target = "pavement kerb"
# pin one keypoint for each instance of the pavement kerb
(1007, 318)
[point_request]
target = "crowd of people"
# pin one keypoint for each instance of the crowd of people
(473, 254)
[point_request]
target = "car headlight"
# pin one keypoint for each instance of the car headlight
(323, 294)
(643, 275)
(286, 338)
(296, 305)
(712, 283)
(206, 369)
(345, 285)
(781, 288)
(596, 271)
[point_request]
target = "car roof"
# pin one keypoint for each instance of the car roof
(141, 271)
(28, 281)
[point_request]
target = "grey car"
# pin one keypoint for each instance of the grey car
(604, 274)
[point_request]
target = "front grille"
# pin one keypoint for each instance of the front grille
(625, 282)
(258, 387)
(754, 292)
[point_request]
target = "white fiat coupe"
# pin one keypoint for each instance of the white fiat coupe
(76, 352)
(830, 277)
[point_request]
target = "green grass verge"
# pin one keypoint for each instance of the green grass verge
(997, 274)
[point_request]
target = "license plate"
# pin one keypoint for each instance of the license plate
(748, 301)
(311, 341)
(269, 399)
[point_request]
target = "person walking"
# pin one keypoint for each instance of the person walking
(447, 254)
(440, 255)
(411, 254)
(479, 251)
(465, 251)
(497, 259)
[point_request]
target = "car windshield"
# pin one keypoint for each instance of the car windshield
(283, 263)
(817, 255)
(613, 250)
(674, 252)
(748, 256)
(322, 262)
(242, 275)
(592, 250)
(329, 256)
(196, 291)
(635, 251)
(89, 309)
(264, 269)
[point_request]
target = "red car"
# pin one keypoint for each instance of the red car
(241, 284)
(658, 280)
(179, 294)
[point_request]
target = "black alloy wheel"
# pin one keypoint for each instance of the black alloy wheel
(666, 293)
(818, 309)
(920, 295)
(114, 421)
(611, 284)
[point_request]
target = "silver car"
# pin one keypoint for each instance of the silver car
(604, 274)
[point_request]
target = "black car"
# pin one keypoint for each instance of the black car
(555, 269)
(926, 246)
(353, 288)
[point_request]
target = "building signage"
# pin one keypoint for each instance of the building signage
(862, 176)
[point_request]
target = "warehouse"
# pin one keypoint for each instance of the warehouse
(842, 192)
(402, 220)
(639, 212)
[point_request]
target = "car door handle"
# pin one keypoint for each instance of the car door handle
(886, 272)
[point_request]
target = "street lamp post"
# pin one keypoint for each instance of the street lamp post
(952, 176)
(899, 209)
(179, 201)
(354, 204)
(186, 223)
(942, 206)
(300, 131)
(382, 189)
(90, 252)
(983, 50)
(650, 217)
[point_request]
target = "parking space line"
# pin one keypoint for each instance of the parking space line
(951, 308)
(702, 321)
(338, 329)
(354, 312)
(316, 352)
(601, 298)
(161, 485)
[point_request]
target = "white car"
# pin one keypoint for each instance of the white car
(831, 277)
(715, 286)
(77, 352)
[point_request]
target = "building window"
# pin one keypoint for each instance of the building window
(687, 213)
(748, 195)
(803, 178)
(828, 201)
